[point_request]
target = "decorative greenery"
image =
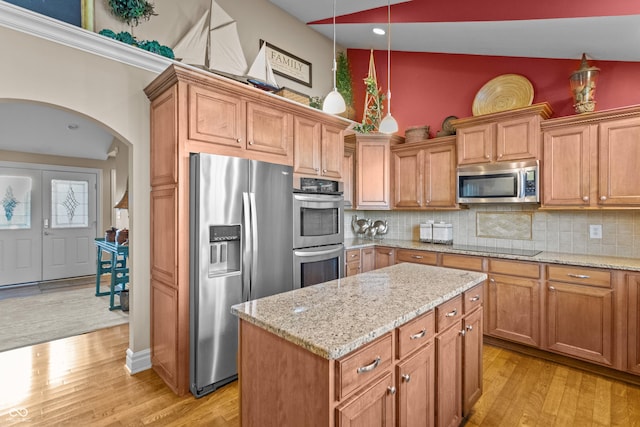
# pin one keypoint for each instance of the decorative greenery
(373, 114)
(343, 79)
(151, 46)
(132, 11)
(316, 102)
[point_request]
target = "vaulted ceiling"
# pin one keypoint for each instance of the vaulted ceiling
(604, 30)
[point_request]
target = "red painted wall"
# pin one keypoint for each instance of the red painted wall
(428, 87)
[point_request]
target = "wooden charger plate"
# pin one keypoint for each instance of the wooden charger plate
(503, 93)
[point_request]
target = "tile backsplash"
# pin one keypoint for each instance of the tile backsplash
(521, 227)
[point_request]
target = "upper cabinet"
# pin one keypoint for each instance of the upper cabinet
(504, 136)
(372, 177)
(423, 174)
(318, 149)
(590, 161)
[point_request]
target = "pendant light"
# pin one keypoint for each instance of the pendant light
(388, 124)
(334, 102)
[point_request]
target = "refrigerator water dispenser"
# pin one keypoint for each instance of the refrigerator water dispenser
(224, 249)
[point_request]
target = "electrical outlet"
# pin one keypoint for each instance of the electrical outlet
(595, 231)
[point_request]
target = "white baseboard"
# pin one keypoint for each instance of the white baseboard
(138, 362)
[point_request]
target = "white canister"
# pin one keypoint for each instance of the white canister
(442, 233)
(426, 232)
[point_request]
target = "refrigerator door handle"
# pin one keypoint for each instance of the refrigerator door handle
(254, 242)
(246, 258)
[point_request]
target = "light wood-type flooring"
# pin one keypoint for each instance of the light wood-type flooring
(82, 381)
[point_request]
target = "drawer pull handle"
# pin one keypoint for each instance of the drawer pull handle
(452, 313)
(353, 255)
(552, 288)
(369, 368)
(419, 335)
(579, 276)
(475, 298)
(390, 253)
(406, 378)
(392, 390)
(417, 256)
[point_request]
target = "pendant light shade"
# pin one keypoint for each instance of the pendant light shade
(334, 102)
(388, 124)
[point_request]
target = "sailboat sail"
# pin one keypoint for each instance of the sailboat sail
(192, 47)
(261, 70)
(225, 51)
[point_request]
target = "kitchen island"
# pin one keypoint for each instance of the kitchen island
(335, 353)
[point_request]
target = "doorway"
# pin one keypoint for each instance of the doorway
(48, 221)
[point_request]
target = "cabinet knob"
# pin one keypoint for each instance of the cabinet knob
(603, 198)
(552, 288)
(406, 378)
(324, 171)
(487, 156)
(585, 198)
(499, 156)
(428, 201)
(250, 142)
(469, 327)
(239, 140)
(317, 169)
(463, 332)
(390, 253)
(392, 390)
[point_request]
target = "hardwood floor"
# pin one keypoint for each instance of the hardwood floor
(82, 381)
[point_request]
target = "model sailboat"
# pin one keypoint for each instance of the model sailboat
(213, 44)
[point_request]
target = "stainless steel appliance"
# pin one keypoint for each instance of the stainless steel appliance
(318, 232)
(504, 182)
(241, 243)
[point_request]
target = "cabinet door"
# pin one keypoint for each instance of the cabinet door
(618, 160)
(416, 389)
(633, 360)
(475, 144)
(269, 130)
(518, 139)
(373, 166)
(472, 360)
(408, 178)
(580, 321)
(306, 146)
(331, 152)
(352, 262)
(416, 256)
(368, 259)
(449, 376)
(440, 176)
(514, 309)
(567, 165)
(384, 257)
(373, 407)
(348, 171)
(228, 128)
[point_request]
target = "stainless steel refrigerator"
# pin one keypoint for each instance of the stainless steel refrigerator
(241, 244)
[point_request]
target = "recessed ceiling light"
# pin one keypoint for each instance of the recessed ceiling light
(379, 31)
(72, 126)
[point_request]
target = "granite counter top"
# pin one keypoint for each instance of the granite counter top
(596, 261)
(335, 318)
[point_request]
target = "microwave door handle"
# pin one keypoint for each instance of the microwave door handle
(521, 182)
(254, 243)
(246, 259)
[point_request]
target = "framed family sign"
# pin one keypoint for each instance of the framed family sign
(287, 65)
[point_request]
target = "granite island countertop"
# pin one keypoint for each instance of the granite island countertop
(335, 318)
(595, 261)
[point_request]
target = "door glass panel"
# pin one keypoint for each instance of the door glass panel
(69, 204)
(319, 271)
(15, 200)
(319, 222)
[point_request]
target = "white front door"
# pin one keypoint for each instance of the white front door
(20, 225)
(69, 224)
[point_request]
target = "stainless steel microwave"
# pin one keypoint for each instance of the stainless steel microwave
(504, 182)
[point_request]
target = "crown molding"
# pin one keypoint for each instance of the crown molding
(23, 20)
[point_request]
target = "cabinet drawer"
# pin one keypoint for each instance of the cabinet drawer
(580, 275)
(515, 268)
(418, 257)
(472, 298)
(448, 313)
(353, 255)
(363, 365)
(462, 262)
(415, 333)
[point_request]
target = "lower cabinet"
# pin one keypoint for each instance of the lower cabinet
(352, 262)
(416, 256)
(449, 376)
(471, 360)
(416, 389)
(633, 343)
(367, 259)
(385, 257)
(372, 407)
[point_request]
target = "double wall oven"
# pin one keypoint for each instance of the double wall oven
(318, 232)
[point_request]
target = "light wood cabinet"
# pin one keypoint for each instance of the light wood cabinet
(385, 256)
(193, 111)
(513, 306)
(372, 177)
(463, 262)
(374, 407)
(589, 162)
(633, 333)
(352, 262)
(504, 136)
(368, 259)
(348, 177)
(416, 256)
(449, 375)
(472, 359)
(424, 174)
(579, 313)
(416, 388)
(318, 149)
